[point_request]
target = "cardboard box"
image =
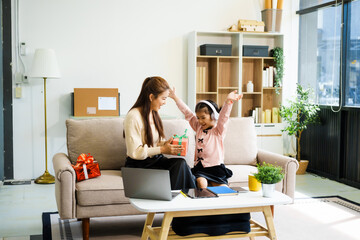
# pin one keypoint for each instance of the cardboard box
(91, 102)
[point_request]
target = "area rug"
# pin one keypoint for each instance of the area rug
(327, 218)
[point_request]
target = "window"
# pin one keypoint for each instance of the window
(352, 93)
(304, 4)
(320, 55)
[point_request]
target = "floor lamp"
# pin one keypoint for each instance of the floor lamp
(45, 66)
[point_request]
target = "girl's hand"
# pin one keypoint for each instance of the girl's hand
(233, 96)
(172, 93)
(168, 148)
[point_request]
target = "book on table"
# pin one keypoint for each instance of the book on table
(198, 193)
(225, 190)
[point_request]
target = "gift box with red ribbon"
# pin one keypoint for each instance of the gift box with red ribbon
(86, 167)
(181, 140)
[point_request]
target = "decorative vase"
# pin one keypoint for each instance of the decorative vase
(302, 167)
(268, 189)
(250, 87)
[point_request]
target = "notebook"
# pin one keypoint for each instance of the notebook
(225, 190)
(147, 183)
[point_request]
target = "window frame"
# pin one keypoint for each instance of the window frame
(344, 43)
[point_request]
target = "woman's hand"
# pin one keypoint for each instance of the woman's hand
(233, 96)
(168, 148)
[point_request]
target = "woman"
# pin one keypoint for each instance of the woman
(144, 133)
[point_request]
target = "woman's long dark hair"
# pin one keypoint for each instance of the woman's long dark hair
(156, 86)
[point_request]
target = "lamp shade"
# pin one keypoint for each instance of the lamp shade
(45, 64)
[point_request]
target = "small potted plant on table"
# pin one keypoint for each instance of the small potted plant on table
(269, 175)
(299, 114)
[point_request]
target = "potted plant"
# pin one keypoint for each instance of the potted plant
(299, 114)
(278, 55)
(268, 175)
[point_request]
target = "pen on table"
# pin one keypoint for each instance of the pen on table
(183, 194)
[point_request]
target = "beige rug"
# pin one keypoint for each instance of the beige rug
(324, 218)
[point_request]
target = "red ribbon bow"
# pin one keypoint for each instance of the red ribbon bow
(84, 159)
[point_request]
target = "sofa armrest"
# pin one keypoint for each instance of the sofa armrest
(290, 165)
(65, 179)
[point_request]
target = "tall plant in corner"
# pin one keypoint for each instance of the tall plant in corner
(299, 114)
(278, 55)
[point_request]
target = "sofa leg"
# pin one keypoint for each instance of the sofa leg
(85, 228)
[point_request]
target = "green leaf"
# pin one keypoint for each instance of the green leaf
(299, 113)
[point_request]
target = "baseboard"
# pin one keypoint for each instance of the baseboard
(17, 182)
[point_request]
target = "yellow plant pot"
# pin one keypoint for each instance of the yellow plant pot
(254, 185)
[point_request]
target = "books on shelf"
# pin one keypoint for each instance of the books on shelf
(271, 76)
(256, 114)
(271, 115)
(268, 76)
(264, 77)
(275, 115)
(201, 79)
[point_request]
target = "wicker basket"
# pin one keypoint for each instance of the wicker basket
(302, 167)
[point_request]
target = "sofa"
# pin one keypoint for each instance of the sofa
(103, 139)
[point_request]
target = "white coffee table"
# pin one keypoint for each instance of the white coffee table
(182, 206)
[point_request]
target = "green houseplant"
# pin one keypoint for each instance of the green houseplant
(268, 175)
(298, 115)
(278, 55)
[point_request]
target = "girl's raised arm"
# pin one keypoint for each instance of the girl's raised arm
(189, 115)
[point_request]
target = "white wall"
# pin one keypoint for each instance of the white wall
(117, 44)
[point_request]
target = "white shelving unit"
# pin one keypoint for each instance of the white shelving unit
(226, 73)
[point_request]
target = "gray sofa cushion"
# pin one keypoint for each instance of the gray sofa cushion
(240, 142)
(102, 138)
(103, 190)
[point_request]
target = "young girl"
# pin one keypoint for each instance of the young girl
(210, 128)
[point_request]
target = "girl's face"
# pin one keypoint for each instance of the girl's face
(204, 119)
(156, 103)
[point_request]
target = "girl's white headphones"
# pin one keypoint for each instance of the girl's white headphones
(215, 114)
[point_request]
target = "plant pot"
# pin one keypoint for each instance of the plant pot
(268, 189)
(302, 167)
(254, 185)
(272, 19)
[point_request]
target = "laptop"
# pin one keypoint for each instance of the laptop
(147, 183)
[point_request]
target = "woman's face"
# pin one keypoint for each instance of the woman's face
(204, 119)
(156, 103)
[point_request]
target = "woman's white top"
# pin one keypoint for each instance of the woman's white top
(135, 137)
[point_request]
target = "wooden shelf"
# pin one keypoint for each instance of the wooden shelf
(227, 73)
(248, 93)
(222, 57)
(272, 88)
(234, 88)
(206, 93)
(247, 57)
